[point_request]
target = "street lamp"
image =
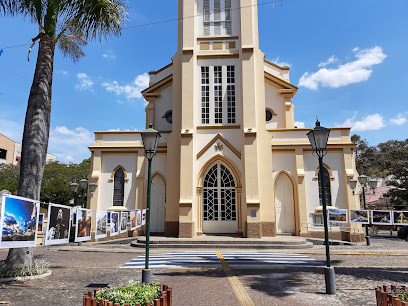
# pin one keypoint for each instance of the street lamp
(364, 183)
(150, 138)
(83, 184)
(318, 138)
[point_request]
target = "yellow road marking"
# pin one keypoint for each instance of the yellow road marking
(239, 290)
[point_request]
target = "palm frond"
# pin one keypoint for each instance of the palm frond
(26, 8)
(97, 19)
(70, 41)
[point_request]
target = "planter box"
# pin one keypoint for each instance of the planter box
(164, 300)
(385, 298)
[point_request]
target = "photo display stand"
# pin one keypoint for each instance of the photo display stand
(18, 222)
(83, 228)
(58, 225)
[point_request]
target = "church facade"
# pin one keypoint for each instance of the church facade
(230, 159)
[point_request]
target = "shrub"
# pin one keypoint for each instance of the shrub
(401, 293)
(39, 267)
(132, 294)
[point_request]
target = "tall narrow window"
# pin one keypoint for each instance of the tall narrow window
(119, 188)
(205, 95)
(217, 17)
(218, 94)
(231, 94)
(326, 177)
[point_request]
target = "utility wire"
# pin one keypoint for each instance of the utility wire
(170, 20)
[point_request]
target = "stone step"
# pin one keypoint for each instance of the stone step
(270, 246)
(240, 241)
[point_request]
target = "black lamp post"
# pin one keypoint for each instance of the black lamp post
(364, 182)
(84, 184)
(150, 138)
(318, 138)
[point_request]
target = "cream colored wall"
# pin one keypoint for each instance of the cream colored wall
(276, 103)
(109, 162)
(161, 106)
(275, 71)
(283, 161)
(335, 162)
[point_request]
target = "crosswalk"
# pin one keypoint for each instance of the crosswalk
(235, 260)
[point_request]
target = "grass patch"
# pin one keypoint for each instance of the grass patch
(39, 267)
(133, 293)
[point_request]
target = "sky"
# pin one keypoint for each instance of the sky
(348, 59)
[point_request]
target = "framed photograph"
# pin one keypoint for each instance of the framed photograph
(359, 216)
(109, 217)
(114, 223)
(18, 222)
(337, 215)
(40, 223)
(83, 228)
(73, 219)
(101, 224)
(144, 217)
(381, 217)
(400, 217)
(132, 220)
(123, 221)
(58, 225)
(138, 218)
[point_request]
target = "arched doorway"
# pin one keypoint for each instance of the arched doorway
(284, 205)
(157, 204)
(219, 201)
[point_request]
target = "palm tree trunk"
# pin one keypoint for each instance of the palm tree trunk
(35, 137)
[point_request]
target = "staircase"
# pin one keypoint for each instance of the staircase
(224, 242)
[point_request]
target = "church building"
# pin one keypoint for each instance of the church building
(230, 159)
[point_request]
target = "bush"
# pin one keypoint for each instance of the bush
(39, 267)
(401, 293)
(132, 294)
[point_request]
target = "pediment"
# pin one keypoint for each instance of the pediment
(156, 88)
(213, 142)
(279, 83)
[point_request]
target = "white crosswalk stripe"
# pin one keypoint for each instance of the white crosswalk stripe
(235, 260)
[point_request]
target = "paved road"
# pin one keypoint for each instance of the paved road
(79, 269)
(236, 260)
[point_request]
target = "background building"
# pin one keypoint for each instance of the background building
(10, 152)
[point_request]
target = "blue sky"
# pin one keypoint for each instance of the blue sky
(348, 59)
(19, 215)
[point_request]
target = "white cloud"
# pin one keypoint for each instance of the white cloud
(130, 91)
(369, 123)
(84, 82)
(113, 130)
(332, 59)
(399, 120)
(278, 62)
(300, 124)
(109, 54)
(70, 145)
(63, 72)
(356, 49)
(355, 71)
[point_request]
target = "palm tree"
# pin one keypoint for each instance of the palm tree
(68, 24)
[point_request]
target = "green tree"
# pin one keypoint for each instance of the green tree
(366, 157)
(394, 162)
(56, 20)
(9, 176)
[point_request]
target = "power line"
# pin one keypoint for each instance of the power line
(170, 20)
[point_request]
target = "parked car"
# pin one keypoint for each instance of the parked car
(403, 232)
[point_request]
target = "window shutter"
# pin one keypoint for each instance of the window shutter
(206, 17)
(217, 10)
(217, 28)
(227, 10)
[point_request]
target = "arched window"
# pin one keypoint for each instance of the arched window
(326, 177)
(118, 187)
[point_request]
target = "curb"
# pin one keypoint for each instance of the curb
(25, 278)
